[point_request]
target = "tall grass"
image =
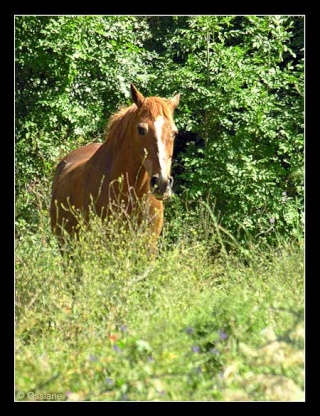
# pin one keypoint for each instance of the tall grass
(199, 322)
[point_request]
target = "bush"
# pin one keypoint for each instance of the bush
(242, 80)
(71, 74)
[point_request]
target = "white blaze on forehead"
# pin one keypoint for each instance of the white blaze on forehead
(159, 122)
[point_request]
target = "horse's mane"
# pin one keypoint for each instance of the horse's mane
(124, 120)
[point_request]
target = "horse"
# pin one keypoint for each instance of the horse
(132, 165)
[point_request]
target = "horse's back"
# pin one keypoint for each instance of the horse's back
(74, 159)
(68, 182)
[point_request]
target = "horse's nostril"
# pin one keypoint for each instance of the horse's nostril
(153, 181)
(159, 185)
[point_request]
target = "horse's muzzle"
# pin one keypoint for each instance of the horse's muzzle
(161, 188)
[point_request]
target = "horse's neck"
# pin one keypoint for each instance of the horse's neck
(114, 160)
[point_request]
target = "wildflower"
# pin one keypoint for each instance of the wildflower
(109, 381)
(92, 358)
(68, 393)
(272, 220)
(112, 337)
(223, 335)
(195, 348)
(161, 392)
(123, 328)
(189, 330)
(116, 348)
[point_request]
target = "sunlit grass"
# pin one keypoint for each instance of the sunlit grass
(117, 324)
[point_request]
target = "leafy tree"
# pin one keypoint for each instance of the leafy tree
(71, 73)
(242, 89)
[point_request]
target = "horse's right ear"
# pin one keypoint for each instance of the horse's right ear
(137, 97)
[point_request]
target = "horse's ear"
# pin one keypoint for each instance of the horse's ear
(137, 97)
(174, 102)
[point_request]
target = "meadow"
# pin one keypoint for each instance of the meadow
(203, 321)
(218, 314)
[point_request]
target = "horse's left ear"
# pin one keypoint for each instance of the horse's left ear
(174, 102)
(137, 97)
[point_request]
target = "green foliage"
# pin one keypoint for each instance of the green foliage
(71, 73)
(242, 88)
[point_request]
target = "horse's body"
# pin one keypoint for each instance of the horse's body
(138, 148)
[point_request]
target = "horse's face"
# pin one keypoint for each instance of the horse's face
(154, 138)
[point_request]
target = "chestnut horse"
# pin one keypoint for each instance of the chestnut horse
(134, 162)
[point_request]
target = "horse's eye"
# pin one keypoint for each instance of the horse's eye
(141, 131)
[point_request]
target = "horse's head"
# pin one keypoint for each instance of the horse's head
(154, 133)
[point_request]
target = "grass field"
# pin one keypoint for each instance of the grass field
(117, 325)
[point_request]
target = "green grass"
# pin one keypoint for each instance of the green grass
(116, 324)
